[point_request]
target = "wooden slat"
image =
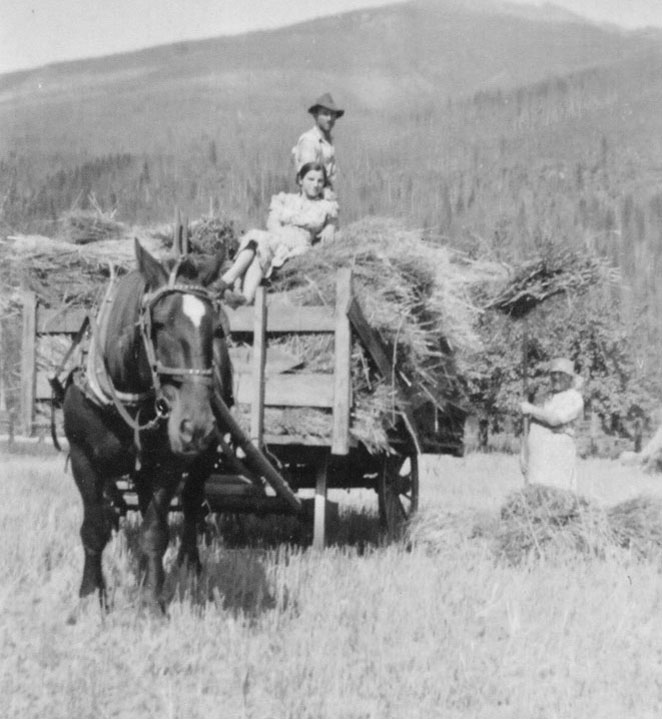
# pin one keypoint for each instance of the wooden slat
(277, 360)
(342, 389)
(282, 440)
(60, 321)
(284, 318)
(28, 361)
(259, 359)
(289, 390)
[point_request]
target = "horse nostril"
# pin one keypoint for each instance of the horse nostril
(186, 430)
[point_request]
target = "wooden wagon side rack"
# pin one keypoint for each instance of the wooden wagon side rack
(262, 473)
(311, 462)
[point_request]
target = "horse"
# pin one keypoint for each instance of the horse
(143, 407)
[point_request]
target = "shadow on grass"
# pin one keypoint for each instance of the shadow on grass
(356, 528)
(233, 552)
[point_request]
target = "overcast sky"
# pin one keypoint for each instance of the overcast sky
(37, 32)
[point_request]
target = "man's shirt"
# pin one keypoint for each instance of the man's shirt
(312, 146)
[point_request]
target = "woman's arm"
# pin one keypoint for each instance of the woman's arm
(559, 411)
(275, 218)
(328, 232)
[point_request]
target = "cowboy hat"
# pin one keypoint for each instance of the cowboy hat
(325, 101)
(563, 365)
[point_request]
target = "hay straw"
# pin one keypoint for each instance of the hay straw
(542, 522)
(636, 524)
(409, 287)
(61, 273)
(214, 236)
(439, 532)
(416, 293)
(557, 271)
(81, 227)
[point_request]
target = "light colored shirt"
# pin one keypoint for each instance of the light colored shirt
(551, 456)
(312, 146)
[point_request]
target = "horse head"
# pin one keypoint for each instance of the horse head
(179, 323)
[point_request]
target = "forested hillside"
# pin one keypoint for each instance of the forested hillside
(498, 131)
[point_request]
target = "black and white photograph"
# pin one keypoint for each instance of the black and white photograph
(330, 379)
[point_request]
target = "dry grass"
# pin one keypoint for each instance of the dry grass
(285, 632)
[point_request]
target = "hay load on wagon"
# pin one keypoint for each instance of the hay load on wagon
(417, 295)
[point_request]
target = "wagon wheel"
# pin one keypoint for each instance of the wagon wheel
(397, 491)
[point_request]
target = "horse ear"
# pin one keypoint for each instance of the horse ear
(149, 267)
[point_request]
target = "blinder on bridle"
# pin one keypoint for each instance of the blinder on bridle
(157, 369)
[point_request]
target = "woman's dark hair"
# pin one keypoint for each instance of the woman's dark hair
(307, 167)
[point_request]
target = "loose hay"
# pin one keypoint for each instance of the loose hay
(556, 271)
(636, 524)
(214, 236)
(438, 532)
(542, 522)
(417, 295)
(81, 227)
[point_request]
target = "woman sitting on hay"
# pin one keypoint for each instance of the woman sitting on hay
(549, 455)
(295, 222)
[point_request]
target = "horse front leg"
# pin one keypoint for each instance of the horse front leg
(98, 519)
(154, 538)
(193, 496)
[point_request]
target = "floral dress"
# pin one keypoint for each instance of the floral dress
(293, 224)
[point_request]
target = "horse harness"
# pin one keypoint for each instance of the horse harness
(96, 382)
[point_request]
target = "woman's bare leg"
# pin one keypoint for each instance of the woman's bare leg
(252, 280)
(240, 266)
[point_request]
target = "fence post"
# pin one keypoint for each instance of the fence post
(28, 361)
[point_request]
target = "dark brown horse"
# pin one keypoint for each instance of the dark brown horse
(143, 408)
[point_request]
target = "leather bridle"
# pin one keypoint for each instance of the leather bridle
(157, 369)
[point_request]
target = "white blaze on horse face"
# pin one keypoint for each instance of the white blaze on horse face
(194, 308)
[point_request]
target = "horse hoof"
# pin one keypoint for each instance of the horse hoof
(190, 563)
(85, 606)
(152, 608)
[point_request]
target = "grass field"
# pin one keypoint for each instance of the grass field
(355, 631)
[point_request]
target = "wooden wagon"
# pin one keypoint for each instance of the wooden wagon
(261, 472)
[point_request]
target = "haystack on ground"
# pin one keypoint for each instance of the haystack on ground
(542, 520)
(636, 524)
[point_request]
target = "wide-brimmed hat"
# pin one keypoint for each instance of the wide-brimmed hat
(326, 101)
(561, 364)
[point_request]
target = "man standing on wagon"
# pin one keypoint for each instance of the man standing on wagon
(316, 145)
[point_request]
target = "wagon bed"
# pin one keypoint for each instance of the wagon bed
(262, 472)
